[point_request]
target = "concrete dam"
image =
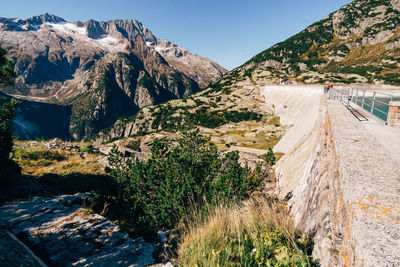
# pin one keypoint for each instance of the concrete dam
(340, 175)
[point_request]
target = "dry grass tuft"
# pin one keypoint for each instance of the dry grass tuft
(253, 233)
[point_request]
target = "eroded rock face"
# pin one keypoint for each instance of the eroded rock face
(103, 69)
(63, 233)
(396, 4)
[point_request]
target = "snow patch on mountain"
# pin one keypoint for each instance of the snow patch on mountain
(111, 43)
(68, 28)
(106, 42)
(159, 49)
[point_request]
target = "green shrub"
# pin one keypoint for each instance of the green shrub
(159, 192)
(213, 119)
(88, 148)
(9, 169)
(134, 145)
(269, 157)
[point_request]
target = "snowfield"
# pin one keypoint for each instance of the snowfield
(106, 42)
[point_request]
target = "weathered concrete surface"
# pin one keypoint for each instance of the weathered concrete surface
(303, 108)
(370, 183)
(388, 137)
(62, 233)
(393, 118)
(295, 105)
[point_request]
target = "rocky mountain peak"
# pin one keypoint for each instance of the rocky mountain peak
(29, 24)
(94, 29)
(46, 17)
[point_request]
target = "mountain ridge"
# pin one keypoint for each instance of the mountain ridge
(356, 44)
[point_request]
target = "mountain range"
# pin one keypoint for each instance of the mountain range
(109, 70)
(101, 70)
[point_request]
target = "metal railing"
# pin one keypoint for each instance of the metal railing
(371, 101)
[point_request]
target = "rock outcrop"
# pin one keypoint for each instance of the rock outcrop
(200, 69)
(62, 233)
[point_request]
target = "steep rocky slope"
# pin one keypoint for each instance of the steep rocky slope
(103, 69)
(359, 43)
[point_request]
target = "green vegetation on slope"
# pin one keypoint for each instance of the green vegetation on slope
(159, 192)
(339, 49)
(9, 170)
(215, 106)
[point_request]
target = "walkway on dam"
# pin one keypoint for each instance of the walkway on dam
(369, 163)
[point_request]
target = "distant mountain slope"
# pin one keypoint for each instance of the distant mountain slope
(358, 43)
(104, 70)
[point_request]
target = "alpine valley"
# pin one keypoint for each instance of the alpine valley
(89, 74)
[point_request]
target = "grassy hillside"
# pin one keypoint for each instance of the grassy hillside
(359, 43)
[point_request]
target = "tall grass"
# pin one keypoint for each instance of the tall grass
(254, 233)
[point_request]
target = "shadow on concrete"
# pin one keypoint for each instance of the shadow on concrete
(357, 114)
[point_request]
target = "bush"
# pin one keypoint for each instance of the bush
(269, 157)
(214, 119)
(88, 148)
(9, 169)
(159, 192)
(134, 145)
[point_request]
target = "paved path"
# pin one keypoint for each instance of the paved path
(387, 136)
(370, 181)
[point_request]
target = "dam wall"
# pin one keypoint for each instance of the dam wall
(341, 183)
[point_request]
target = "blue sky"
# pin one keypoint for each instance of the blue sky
(229, 32)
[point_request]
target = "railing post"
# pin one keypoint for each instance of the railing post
(357, 97)
(373, 103)
(349, 96)
(363, 99)
(352, 92)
